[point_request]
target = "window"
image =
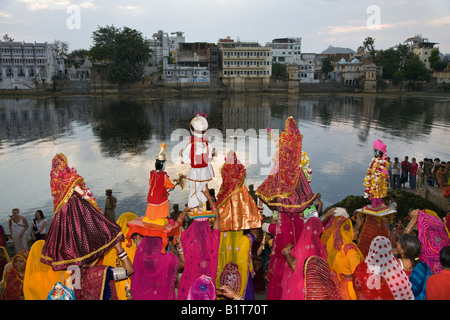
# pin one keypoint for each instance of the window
(21, 73)
(9, 72)
(32, 73)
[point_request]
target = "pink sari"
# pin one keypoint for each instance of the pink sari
(200, 246)
(287, 230)
(154, 273)
(309, 244)
(433, 237)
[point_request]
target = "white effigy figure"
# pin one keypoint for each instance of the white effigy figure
(198, 154)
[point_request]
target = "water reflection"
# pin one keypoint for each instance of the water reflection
(114, 141)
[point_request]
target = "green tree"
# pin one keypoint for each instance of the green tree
(279, 71)
(369, 47)
(123, 51)
(415, 70)
(327, 66)
(394, 59)
(435, 61)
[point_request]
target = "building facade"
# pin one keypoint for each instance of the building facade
(422, 48)
(245, 65)
(24, 65)
(286, 50)
(163, 46)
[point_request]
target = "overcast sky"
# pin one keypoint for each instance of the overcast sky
(320, 23)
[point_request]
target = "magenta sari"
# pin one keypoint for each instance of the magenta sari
(200, 247)
(433, 237)
(154, 273)
(287, 230)
(309, 244)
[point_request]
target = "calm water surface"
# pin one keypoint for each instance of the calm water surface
(113, 142)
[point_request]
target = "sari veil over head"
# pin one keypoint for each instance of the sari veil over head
(286, 187)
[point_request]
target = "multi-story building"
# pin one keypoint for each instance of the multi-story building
(422, 48)
(285, 50)
(23, 65)
(163, 46)
(307, 68)
(245, 65)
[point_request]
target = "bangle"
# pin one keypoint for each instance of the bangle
(285, 251)
(213, 208)
(122, 255)
(238, 297)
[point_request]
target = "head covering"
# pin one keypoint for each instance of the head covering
(202, 289)
(380, 266)
(320, 283)
(13, 278)
(162, 152)
(433, 237)
(198, 125)
(308, 245)
(154, 273)
(237, 208)
(379, 145)
(200, 246)
(286, 188)
(39, 277)
(372, 228)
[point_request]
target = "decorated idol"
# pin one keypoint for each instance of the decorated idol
(198, 154)
(376, 179)
(157, 197)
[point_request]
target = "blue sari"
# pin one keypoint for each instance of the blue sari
(418, 279)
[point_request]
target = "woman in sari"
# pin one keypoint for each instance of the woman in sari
(286, 190)
(13, 278)
(308, 245)
(40, 277)
(200, 247)
(432, 234)
(343, 256)
(79, 232)
(320, 283)
(155, 273)
(380, 276)
(4, 259)
(409, 248)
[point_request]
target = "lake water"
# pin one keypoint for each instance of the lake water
(113, 142)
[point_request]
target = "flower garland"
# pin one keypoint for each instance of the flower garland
(305, 166)
(376, 173)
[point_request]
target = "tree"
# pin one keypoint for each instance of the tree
(394, 59)
(279, 71)
(123, 51)
(7, 38)
(327, 66)
(435, 61)
(369, 47)
(415, 70)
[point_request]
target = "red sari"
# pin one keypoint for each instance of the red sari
(14, 279)
(79, 232)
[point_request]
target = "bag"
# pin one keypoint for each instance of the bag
(61, 292)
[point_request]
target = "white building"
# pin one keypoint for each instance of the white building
(307, 68)
(422, 48)
(162, 46)
(285, 50)
(174, 75)
(23, 65)
(350, 73)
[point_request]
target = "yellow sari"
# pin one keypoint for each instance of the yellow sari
(110, 257)
(343, 256)
(235, 263)
(39, 277)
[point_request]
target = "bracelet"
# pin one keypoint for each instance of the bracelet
(285, 251)
(238, 297)
(122, 255)
(213, 208)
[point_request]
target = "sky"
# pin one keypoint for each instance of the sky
(320, 23)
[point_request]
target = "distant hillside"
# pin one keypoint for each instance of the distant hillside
(334, 50)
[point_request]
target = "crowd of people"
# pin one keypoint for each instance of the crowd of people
(228, 249)
(427, 172)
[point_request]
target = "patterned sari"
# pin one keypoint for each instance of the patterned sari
(373, 227)
(433, 237)
(237, 209)
(13, 279)
(235, 263)
(320, 283)
(286, 189)
(380, 276)
(79, 232)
